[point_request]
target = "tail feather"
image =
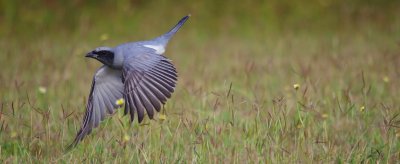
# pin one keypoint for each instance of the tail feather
(167, 36)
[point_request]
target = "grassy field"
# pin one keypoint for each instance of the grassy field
(250, 90)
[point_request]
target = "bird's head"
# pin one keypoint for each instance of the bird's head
(102, 54)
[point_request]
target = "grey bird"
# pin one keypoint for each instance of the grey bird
(138, 72)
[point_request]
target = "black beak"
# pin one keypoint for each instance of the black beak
(91, 55)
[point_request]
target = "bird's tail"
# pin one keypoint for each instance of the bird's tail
(167, 36)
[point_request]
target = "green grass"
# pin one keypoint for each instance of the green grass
(234, 103)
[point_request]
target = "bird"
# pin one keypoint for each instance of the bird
(136, 72)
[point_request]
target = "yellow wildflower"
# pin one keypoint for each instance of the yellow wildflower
(42, 89)
(296, 86)
(162, 117)
(362, 108)
(386, 79)
(299, 126)
(13, 134)
(120, 102)
(126, 138)
(104, 37)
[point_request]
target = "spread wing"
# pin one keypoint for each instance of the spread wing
(149, 79)
(107, 88)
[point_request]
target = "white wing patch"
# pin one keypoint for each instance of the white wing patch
(158, 48)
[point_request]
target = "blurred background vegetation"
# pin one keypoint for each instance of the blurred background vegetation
(36, 18)
(235, 102)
